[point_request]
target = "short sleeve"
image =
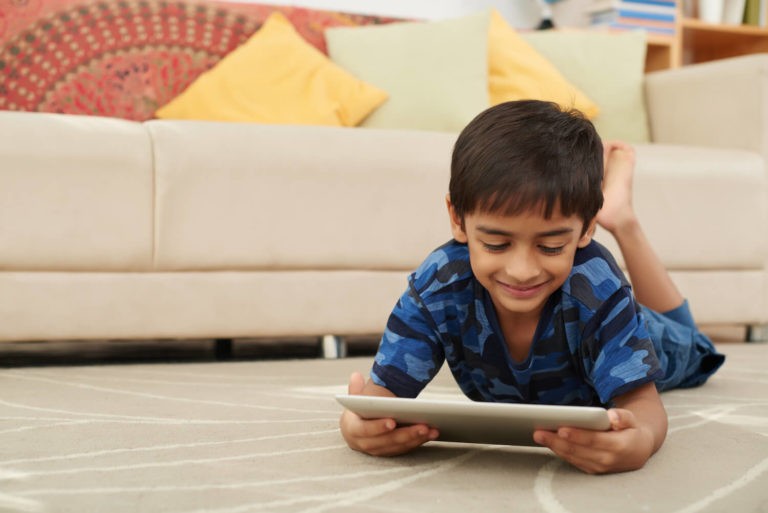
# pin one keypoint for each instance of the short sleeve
(618, 355)
(410, 353)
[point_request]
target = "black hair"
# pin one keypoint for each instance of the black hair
(522, 155)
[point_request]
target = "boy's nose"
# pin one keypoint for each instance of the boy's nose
(523, 267)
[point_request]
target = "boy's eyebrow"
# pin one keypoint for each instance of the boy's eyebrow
(550, 233)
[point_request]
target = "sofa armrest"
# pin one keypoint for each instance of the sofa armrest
(716, 104)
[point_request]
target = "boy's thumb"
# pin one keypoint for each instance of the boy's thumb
(621, 419)
(356, 384)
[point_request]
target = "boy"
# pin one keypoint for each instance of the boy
(525, 307)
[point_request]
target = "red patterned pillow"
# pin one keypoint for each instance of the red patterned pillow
(126, 58)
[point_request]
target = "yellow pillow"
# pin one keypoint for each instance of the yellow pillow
(516, 71)
(276, 77)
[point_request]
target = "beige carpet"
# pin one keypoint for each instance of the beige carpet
(262, 436)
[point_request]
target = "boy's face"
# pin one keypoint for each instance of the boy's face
(521, 259)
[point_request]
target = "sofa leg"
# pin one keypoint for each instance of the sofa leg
(222, 348)
(332, 347)
(757, 333)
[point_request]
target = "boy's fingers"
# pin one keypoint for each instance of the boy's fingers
(399, 441)
(359, 427)
(359, 432)
(578, 436)
(590, 440)
(587, 458)
(556, 444)
(414, 436)
(380, 437)
(591, 465)
(543, 437)
(566, 435)
(376, 427)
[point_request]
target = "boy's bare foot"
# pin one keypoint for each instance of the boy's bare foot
(617, 211)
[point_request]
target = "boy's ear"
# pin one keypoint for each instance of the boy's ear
(457, 228)
(588, 234)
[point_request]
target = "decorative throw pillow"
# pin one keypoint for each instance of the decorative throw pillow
(276, 77)
(436, 73)
(607, 66)
(516, 71)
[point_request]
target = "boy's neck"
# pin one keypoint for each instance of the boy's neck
(518, 331)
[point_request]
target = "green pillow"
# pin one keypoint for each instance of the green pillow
(608, 67)
(436, 73)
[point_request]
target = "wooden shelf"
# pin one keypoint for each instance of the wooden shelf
(703, 42)
(661, 52)
(696, 41)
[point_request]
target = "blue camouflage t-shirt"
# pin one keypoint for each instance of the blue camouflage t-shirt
(591, 343)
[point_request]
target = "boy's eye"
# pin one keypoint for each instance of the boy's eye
(547, 250)
(495, 248)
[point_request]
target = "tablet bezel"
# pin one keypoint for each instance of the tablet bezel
(477, 422)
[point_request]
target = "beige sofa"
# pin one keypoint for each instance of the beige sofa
(170, 229)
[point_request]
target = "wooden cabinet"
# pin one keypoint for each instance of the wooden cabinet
(695, 41)
(662, 52)
(703, 42)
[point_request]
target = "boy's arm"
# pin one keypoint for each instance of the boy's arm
(379, 437)
(638, 428)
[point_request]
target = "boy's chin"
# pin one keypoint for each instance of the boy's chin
(519, 307)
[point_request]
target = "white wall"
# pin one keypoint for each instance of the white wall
(519, 13)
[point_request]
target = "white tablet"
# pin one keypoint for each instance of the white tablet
(475, 422)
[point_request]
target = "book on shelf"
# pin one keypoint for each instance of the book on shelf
(653, 16)
(663, 7)
(663, 29)
(755, 12)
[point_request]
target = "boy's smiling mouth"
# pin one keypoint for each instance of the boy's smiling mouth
(522, 291)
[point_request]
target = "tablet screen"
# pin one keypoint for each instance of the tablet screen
(475, 422)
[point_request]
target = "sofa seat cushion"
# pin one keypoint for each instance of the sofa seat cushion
(254, 197)
(701, 207)
(195, 305)
(76, 193)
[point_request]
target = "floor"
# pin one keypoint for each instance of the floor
(91, 352)
(262, 436)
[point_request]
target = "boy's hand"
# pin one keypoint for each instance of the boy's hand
(380, 437)
(625, 447)
(637, 431)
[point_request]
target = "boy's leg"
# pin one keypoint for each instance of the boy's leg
(651, 283)
(688, 357)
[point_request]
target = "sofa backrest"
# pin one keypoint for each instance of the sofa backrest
(258, 197)
(77, 193)
(85, 193)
